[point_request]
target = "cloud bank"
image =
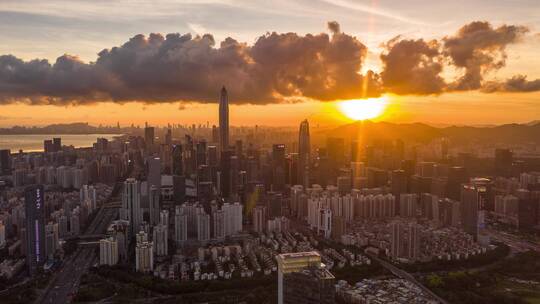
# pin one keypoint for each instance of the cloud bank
(278, 67)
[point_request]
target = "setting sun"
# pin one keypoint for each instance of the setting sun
(360, 109)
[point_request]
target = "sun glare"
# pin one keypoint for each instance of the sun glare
(360, 109)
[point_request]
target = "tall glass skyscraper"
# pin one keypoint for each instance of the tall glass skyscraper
(223, 120)
(304, 150)
(35, 227)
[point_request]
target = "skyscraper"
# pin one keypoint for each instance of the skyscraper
(177, 166)
(35, 227)
(223, 120)
(278, 167)
(154, 205)
(469, 209)
(149, 138)
(5, 161)
(503, 162)
(225, 175)
(57, 144)
(131, 205)
(304, 150)
(154, 173)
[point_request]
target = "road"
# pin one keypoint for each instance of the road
(65, 282)
(513, 241)
(407, 276)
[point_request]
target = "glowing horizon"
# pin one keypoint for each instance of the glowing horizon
(362, 109)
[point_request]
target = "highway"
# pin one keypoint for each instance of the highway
(517, 244)
(407, 276)
(65, 282)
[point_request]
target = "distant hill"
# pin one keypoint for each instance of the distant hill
(72, 128)
(368, 131)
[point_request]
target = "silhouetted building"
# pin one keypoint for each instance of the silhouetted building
(5, 161)
(527, 209)
(469, 209)
(335, 148)
(304, 152)
(35, 228)
(456, 177)
(225, 175)
(223, 120)
(503, 162)
(177, 161)
(57, 144)
(278, 167)
(149, 138)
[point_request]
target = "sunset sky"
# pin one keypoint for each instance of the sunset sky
(440, 62)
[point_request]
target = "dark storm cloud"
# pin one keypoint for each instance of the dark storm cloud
(277, 68)
(415, 66)
(334, 27)
(518, 83)
(478, 48)
(412, 67)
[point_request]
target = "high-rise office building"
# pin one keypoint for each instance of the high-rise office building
(302, 278)
(456, 177)
(278, 167)
(35, 227)
(215, 134)
(469, 209)
(225, 175)
(5, 161)
(304, 152)
(154, 205)
(57, 144)
(168, 137)
(48, 146)
(335, 148)
(177, 161)
(398, 180)
(223, 120)
(149, 138)
(503, 162)
(131, 205)
(154, 173)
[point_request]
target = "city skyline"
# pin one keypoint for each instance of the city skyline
(427, 66)
(284, 151)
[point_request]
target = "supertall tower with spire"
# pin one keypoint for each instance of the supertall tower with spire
(223, 120)
(304, 151)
